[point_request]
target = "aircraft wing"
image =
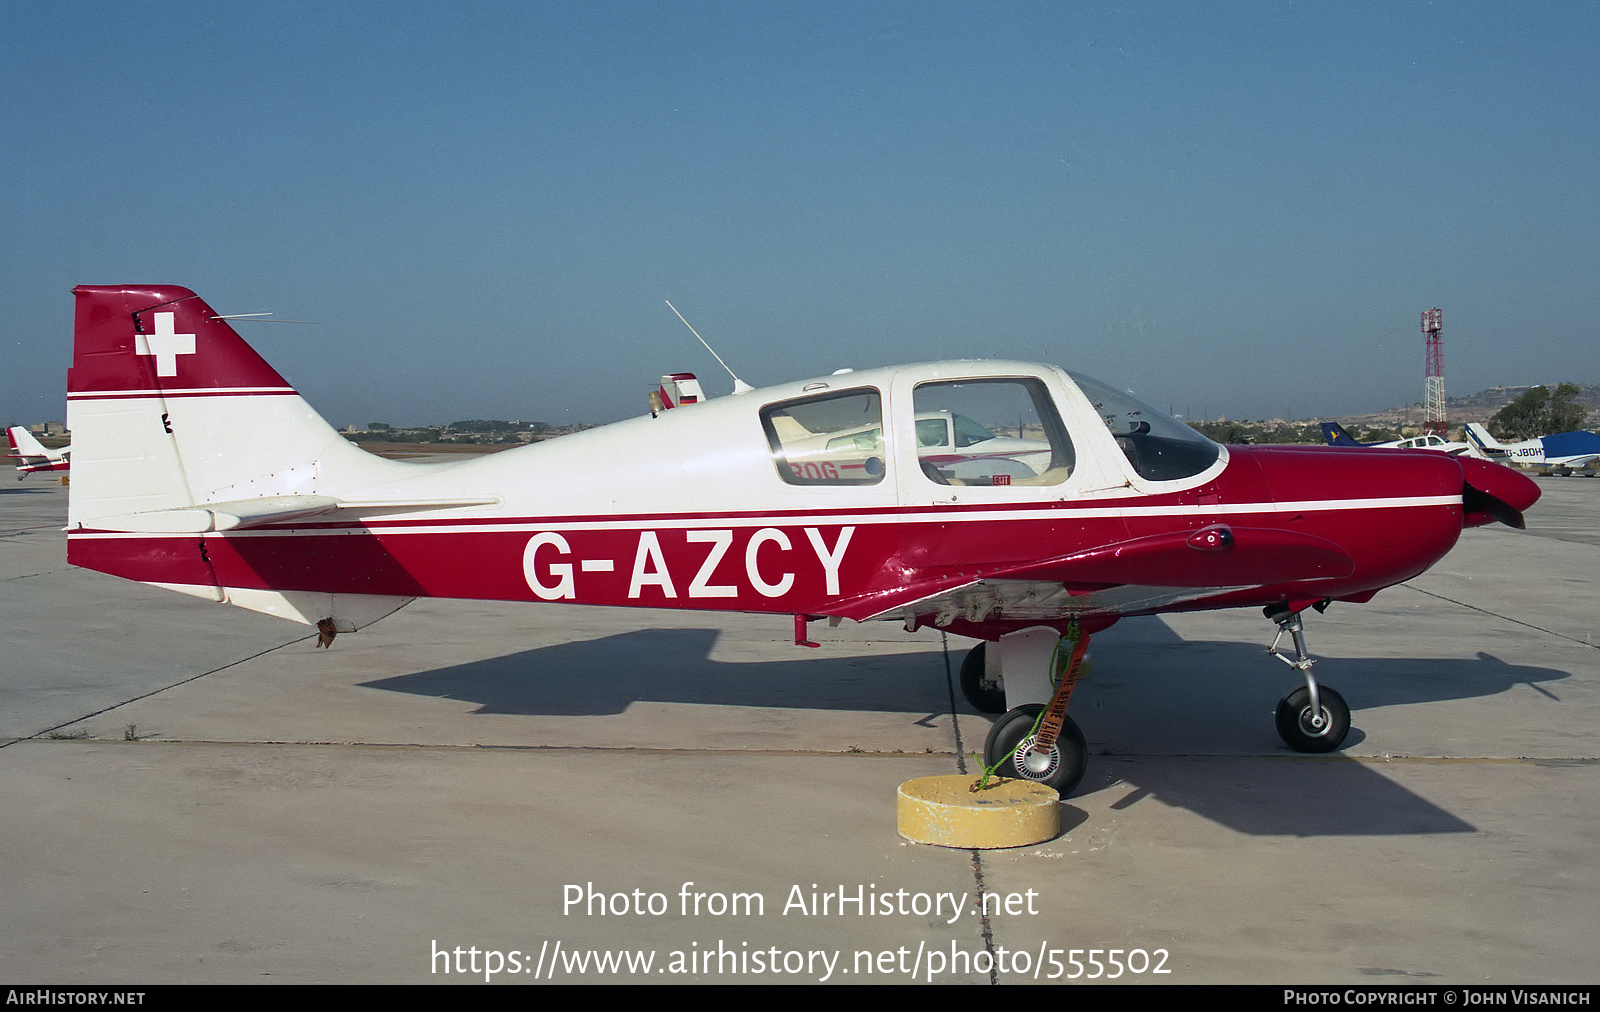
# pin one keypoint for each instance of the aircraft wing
(1128, 576)
(1579, 461)
(1035, 600)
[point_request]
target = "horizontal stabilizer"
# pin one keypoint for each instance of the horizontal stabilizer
(220, 516)
(243, 514)
(368, 507)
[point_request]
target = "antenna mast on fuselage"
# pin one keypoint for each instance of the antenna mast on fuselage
(739, 385)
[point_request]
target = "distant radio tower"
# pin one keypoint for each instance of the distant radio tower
(1433, 419)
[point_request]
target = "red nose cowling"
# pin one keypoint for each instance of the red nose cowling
(1494, 492)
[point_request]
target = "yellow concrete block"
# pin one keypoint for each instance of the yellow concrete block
(945, 812)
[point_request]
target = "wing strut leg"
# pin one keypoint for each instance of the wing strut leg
(1290, 622)
(1041, 743)
(1313, 718)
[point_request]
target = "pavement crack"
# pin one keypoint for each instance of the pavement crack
(146, 695)
(986, 930)
(955, 718)
(1508, 618)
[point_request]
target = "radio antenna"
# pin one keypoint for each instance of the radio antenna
(739, 385)
(247, 318)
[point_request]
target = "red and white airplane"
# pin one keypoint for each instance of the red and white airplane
(33, 455)
(198, 468)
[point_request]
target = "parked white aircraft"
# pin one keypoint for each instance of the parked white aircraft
(34, 455)
(1561, 453)
(1334, 433)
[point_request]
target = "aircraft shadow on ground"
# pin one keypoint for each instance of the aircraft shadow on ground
(1212, 699)
(1331, 796)
(1147, 670)
(607, 675)
(1153, 677)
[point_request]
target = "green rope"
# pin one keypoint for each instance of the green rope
(1073, 632)
(988, 771)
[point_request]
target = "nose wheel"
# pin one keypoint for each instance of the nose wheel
(1306, 730)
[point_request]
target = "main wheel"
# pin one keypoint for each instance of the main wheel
(983, 698)
(1061, 767)
(1306, 732)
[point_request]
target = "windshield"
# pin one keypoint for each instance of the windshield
(1159, 447)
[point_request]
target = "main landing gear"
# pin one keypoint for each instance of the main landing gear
(1311, 718)
(1037, 740)
(987, 695)
(1060, 766)
(1034, 740)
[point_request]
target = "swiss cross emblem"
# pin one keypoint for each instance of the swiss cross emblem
(165, 345)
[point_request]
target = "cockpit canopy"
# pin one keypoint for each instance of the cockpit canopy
(983, 430)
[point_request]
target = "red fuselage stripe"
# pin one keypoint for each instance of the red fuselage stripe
(718, 564)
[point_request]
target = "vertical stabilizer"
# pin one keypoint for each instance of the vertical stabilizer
(169, 407)
(1490, 446)
(1335, 435)
(24, 444)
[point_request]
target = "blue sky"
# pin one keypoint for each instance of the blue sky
(1239, 209)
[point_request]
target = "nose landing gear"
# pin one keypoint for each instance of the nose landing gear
(1311, 718)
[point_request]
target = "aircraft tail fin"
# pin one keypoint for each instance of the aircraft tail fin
(1479, 437)
(1334, 433)
(181, 431)
(23, 444)
(169, 407)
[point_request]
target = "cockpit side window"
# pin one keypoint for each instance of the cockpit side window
(1159, 447)
(991, 432)
(831, 439)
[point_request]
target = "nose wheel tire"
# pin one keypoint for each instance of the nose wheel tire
(1304, 731)
(1060, 767)
(983, 698)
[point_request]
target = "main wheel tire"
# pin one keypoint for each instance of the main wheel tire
(1061, 767)
(1303, 734)
(982, 698)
